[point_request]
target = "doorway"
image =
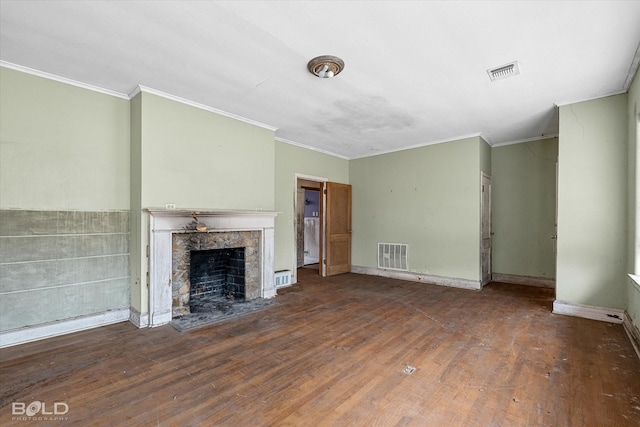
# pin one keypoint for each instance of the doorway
(311, 244)
(322, 225)
(485, 229)
(309, 221)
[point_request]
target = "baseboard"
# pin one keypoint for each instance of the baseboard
(633, 332)
(540, 282)
(611, 315)
(140, 320)
(63, 327)
(271, 293)
(424, 278)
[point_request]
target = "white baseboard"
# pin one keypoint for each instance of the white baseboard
(633, 332)
(271, 293)
(540, 282)
(140, 320)
(414, 277)
(611, 315)
(34, 333)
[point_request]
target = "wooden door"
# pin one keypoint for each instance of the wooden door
(337, 214)
(485, 245)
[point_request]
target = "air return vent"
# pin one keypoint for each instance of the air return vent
(504, 71)
(282, 278)
(393, 256)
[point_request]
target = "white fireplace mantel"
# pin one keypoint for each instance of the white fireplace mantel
(164, 222)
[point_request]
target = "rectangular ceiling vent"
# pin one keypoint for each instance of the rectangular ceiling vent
(504, 71)
(393, 256)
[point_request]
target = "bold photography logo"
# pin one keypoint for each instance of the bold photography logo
(39, 410)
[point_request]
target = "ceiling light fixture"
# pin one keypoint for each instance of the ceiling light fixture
(325, 66)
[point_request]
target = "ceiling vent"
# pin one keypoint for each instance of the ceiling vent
(504, 71)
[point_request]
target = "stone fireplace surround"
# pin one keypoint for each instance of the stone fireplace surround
(165, 223)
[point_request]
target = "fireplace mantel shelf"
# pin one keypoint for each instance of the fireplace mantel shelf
(209, 212)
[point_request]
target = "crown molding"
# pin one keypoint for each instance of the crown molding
(144, 89)
(520, 141)
(633, 68)
(60, 79)
(308, 147)
(131, 94)
(577, 101)
(423, 144)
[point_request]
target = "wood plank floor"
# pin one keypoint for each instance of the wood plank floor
(333, 352)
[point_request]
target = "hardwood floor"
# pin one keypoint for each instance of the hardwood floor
(334, 351)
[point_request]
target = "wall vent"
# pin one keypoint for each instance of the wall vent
(393, 256)
(504, 71)
(282, 278)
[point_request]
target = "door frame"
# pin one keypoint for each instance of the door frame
(322, 180)
(483, 176)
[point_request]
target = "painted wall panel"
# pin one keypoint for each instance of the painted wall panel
(56, 265)
(592, 203)
(485, 156)
(426, 197)
(138, 220)
(61, 147)
(64, 204)
(198, 159)
(633, 246)
(524, 206)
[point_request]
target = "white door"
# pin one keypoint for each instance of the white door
(485, 244)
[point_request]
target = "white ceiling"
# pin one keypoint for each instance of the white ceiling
(415, 71)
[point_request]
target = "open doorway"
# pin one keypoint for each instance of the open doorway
(309, 221)
(329, 235)
(311, 243)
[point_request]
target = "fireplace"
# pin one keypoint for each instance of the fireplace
(174, 237)
(222, 259)
(216, 274)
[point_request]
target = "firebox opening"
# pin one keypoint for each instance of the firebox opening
(217, 277)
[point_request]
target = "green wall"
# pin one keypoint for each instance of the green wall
(524, 208)
(486, 157)
(198, 159)
(64, 185)
(427, 197)
(633, 247)
(289, 161)
(138, 221)
(195, 159)
(592, 203)
(79, 160)
(61, 147)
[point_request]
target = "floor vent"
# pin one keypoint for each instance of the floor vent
(393, 256)
(283, 278)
